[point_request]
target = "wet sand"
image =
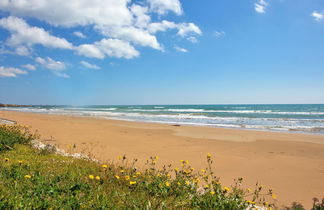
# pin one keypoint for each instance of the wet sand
(291, 164)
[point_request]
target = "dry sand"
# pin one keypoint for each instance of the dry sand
(291, 164)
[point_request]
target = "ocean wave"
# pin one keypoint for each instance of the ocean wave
(191, 118)
(227, 111)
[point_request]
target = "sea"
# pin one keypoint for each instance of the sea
(297, 118)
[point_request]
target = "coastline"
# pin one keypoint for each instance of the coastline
(290, 163)
(297, 118)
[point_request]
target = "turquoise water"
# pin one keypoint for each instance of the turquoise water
(308, 118)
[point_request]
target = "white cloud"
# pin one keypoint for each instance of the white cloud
(161, 26)
(142, 19)
(163, 6)
(180, 49)
(69, 13)
(108, 47)
(23, 34)
(10, 72)
(22, 50)
(134, 35)
(192, 39)
(218, 34)
(79, 34)
(51, 64)
(129, 22)
(57, 67)
(89, 65)
(91, 50)
(187, 29)
(260, 6)
(29, 67)
(318, 16)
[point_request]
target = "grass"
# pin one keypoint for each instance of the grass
(31, 178)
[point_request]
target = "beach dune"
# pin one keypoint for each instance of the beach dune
(290, 164)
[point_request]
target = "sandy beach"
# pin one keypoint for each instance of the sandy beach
(291, 164)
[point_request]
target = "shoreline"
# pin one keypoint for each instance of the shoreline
(290, 163)
(179, 123)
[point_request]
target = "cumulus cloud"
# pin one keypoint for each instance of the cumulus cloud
(29, 67)
(180, 49)
(89, 65)
(23, 34)
(22, 50)
(318, 16)
(124, 23)
(108, 47)
(10, 72)
(187, 29)
(161, 26)
(260, 6)
(79, 34)
(132, 34)
(57, 67)
(164, 6)
(72, 12)
(141, 15)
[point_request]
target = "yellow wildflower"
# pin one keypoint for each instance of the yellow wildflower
(212, 192)
(206, 186)
(138, 173)
(167, 184)
(187, 162)
(209, 155)
(6, 159)
(27, 176)
(122, 171)
(203, 170)
(182, 161)
(176, 169)
(127, 177)
(179, 183)
(168, 175)
(97, 177)
(156, 157)
(117, 177)
(187, 182)
(20, 162)
(192, 169)
(274, 196)
(249, 190)
(119, 157)
(250, 202)
(132, 182)
(227, 189)
(104, 166)
(91, 176)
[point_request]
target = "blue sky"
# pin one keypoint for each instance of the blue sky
(161, 51)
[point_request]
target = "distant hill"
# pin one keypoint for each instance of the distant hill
(13, 105)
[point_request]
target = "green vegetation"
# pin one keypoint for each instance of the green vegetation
(31, 178)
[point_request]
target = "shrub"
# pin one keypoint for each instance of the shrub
(14, 134)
